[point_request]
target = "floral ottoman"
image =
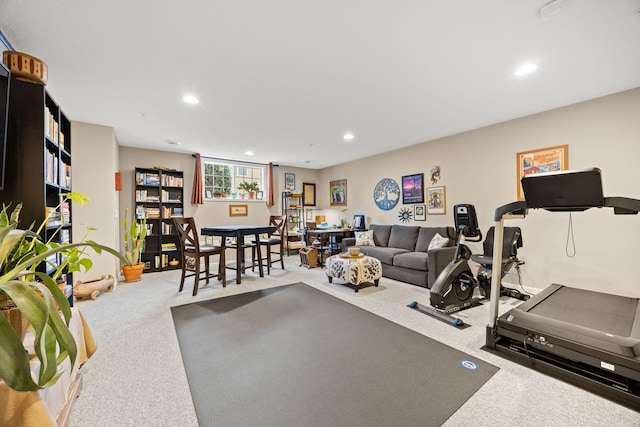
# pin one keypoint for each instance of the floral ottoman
(354, 270)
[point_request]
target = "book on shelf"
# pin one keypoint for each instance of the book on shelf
(171, 181)
(169, 247)
(168, 212)
(65, 212)
(167, 228)
(147, 178)
(51, 167)
(54, 216)
(144, 196)
(166, 197)
(50, 126)
(66, 174)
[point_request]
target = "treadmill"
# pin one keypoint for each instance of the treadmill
(587, 338)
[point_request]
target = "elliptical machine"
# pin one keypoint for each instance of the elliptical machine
(454, 288)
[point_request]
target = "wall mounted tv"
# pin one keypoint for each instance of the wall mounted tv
(4, 117)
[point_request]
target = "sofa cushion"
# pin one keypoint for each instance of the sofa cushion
(381, 234)
(385, 255)
(426, 236)
(364, 238)
(438, 242)
(404, 237)
(412, 260)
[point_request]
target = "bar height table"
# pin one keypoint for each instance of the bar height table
(239, 231)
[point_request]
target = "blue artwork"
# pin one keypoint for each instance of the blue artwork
(386, 194)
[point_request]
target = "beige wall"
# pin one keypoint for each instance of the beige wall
(94, 177)
(211, 213)
(479, 167)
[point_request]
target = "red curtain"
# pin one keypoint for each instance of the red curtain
(270, 201)
(196, 193)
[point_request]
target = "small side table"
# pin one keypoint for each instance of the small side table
(354, 270)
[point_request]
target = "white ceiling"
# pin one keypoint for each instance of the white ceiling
(286, 78)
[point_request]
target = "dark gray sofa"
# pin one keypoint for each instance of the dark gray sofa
(402, 250)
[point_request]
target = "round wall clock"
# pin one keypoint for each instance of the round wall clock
(386, 194)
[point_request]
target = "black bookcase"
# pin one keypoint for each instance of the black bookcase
(38, 165)
(159, 196)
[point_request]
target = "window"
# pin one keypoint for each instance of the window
(227, 180)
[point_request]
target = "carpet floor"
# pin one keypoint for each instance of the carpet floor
(293, 355)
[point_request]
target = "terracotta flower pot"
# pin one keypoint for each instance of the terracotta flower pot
(132, 273)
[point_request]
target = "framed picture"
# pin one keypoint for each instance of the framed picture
(289, 181)
(419, 213)
(338, 192)
(259, 195)
(308, 194)
(413, 189)
(541, 160)
(238, 210)
(436, 200)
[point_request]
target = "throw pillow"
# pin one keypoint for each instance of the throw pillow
(364, 238)
(438, 242)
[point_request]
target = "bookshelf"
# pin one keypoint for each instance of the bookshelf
(159, 196)
(292, 207)
(38, 166)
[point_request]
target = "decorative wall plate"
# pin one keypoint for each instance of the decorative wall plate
(386, 194)
(405, 215)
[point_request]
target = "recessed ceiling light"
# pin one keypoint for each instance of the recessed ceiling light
(190, 99)
(525, 69)
(248, 153)
(348, 136)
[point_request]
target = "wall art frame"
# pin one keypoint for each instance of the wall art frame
(289, 181)
(436, 200)
(238, 210)
(308, 194)
(547, 159)
(419, 212)
(413, 189)
(338, 192)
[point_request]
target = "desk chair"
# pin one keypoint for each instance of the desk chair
(191, 248)
(277, 238)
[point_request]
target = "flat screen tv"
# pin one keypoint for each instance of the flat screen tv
(4, 117)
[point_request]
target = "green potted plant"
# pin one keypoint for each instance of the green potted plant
(134, 235)
(250, 188)
(29, 292)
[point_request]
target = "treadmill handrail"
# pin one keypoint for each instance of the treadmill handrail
(519, 206)
(623, 205)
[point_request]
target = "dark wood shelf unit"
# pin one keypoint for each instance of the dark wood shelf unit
(159, 195)
(38, 163)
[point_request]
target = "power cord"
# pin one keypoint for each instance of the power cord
(570, 237)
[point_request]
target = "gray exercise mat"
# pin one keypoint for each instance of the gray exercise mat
(295, 356)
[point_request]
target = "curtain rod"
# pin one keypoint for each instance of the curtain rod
(235, 160)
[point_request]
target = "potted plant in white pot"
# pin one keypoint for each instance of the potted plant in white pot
(35, 295)
(134, 234)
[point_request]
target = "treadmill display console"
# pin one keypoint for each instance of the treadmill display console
(564, 190)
